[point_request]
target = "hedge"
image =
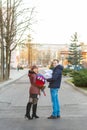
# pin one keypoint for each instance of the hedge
(80, 78)
(67, 72)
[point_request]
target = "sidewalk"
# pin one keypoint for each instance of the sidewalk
(14, 75)
(13, 106)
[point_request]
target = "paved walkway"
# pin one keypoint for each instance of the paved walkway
(72, 101)
(13, 102)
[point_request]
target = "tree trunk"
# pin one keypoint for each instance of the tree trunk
(9, 64)
(2, 43)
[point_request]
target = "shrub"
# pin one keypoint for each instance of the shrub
(80, 78)
(67, 71)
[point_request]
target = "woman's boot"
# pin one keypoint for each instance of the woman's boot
(34, 111)
(28, 108)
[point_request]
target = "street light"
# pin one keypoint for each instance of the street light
(62, 58)
(79, 53)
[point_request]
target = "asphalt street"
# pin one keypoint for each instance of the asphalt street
(13, 102)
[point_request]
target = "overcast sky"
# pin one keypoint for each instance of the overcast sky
(58, 20)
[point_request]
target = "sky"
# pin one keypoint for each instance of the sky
(58, 20)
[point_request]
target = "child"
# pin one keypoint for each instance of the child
(34, 91)
(48, 73)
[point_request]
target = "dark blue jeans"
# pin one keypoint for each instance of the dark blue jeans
(55, 102)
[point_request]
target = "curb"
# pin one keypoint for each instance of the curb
(77, 88)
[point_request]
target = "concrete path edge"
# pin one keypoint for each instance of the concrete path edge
(77, 88)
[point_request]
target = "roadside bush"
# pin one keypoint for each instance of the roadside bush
(80, 78)
(67, 72)
(20, 68)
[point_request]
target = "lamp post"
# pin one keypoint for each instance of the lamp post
(79, 55)
(62, 58)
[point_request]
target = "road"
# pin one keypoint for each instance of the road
(13, 100)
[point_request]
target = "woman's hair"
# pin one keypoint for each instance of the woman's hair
(34, 67)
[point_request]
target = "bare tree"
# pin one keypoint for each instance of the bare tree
(1, 43)
(16, 21)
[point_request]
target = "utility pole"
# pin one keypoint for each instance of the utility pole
(29, 51)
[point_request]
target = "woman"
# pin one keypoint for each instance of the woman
(34, 91)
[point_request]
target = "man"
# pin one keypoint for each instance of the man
(54, 85)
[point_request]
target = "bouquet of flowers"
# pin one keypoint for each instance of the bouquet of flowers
(40, 82)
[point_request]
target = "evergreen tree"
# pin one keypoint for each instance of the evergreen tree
(75, 53)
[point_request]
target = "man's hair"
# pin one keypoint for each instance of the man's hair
(56, 60)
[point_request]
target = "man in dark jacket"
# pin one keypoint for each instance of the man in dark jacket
(54, 85)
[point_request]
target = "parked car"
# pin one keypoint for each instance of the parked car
(75, 67)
